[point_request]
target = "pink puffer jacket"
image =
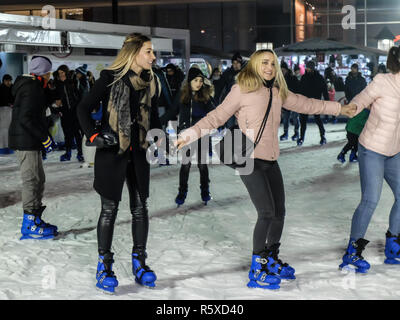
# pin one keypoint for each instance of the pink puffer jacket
(381, 133)
(250, 108)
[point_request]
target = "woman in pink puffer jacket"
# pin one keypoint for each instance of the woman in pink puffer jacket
(261, 79)
(379, 159)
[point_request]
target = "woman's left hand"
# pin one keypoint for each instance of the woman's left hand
(348, 110)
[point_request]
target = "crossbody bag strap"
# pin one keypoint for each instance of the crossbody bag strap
(264, 122)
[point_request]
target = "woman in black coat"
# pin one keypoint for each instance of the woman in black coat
(129, 92)
(193, 103)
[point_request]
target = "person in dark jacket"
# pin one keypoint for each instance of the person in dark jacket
(82, 82)
(175, 77)
(294, 85)
(228, 78)
(69, 96)
(312, 85)
(129, 92)
(192, 104)
(355, 83)
(28, 135)
(6, 97)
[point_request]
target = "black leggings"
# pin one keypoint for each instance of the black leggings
(203, 168)
(266, 190)
(352, 143)
(303, 125)
(140, 218)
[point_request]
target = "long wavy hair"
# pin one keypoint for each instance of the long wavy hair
(249, 78)
(203, 95)
(131, 47)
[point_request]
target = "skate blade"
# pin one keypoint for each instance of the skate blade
(254, 284)
(288, 278)
(148, 285)
(38, 237)
(391, 261)
(107, 290)
(351, 268)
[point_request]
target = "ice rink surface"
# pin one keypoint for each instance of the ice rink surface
(199, 252)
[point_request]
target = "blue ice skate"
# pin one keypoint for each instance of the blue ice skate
(66, 156)
(143, 274)
(205, 195)
(276, 266)
(353, 157)
(392, 249)
(259, 275)
(180, 198)
(353, 258)
(284, 137)
(106, 280)
(341, 157)
(80, 158)
(33, 227)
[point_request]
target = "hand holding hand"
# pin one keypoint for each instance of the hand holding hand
(348, 110)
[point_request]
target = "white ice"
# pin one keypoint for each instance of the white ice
(199, 252)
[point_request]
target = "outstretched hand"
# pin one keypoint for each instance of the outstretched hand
(180, 143)
(348, 110)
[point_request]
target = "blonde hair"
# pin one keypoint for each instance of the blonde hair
(249, 78)
(131, 47)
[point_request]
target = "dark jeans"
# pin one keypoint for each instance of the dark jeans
(287, 115)
(266, 190)
(140, 218)
(352, 143)
(303, 123)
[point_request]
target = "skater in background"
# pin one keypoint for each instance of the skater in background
(193, 103)
(69, 96)
(312, 85)
(259, 84)
(294, 86)
(129, 91)
(355, 83)
(228, 78)
(28, 135)
(6, 97)
(379, 159)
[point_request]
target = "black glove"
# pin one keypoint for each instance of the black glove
(103, 140)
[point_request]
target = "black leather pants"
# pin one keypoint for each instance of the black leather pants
(140, 219)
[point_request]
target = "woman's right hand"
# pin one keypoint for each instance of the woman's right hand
(179, 143)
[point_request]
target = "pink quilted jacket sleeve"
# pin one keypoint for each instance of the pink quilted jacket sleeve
(215, 118)
(302, 104)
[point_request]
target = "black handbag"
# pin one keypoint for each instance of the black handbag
(235, 152)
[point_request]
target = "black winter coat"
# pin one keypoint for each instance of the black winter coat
(354, 85)
(313, 85)
(110, 169)
(189, 114)
(28, 128)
